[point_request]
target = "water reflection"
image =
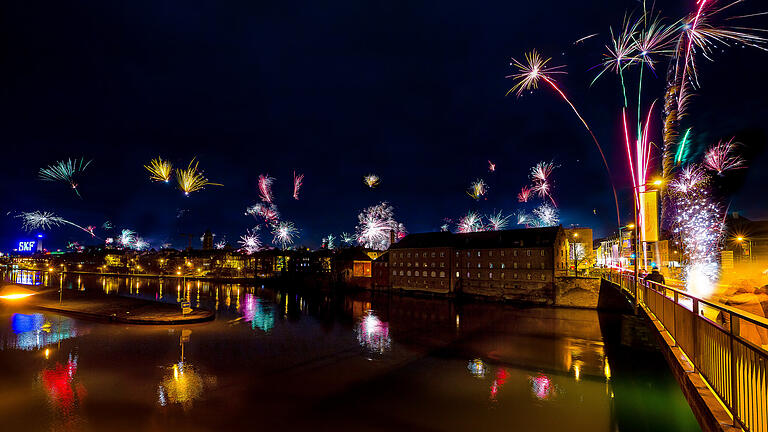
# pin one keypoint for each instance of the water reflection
(476, 368)
(373, 334)
(33, 331)
(182, 384)
(260, 316)
(27, 277)
(543, 388)
(65, 393)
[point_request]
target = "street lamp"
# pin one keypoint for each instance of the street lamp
(741, 239)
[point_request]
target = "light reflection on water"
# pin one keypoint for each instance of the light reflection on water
(494, 365)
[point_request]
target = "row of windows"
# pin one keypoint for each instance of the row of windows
(528, 276)
(503, 265)
(423, 255)
(528, 252)
(416, 264)
(416, 273)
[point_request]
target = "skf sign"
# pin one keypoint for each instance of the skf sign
(26, 246)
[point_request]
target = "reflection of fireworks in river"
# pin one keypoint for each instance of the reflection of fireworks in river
(373, 334)
(542, 387)
(477, 368)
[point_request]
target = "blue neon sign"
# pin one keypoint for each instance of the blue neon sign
(26, 246)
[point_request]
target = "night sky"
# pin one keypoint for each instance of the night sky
(413, 91)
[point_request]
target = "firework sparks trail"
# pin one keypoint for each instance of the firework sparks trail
(497, 221)
(372, 180)
(44, 220)
(547, 215)
(523, 218)
(107, 225)
(528, 77)
(140, 244)
(265, 188)
(65, 171)
(621, 53)
(682, 148)
(524, 195)
(375, 225)
(221, 244)
(191, 180)
(284, 233)
(471, 222)
(268, 212)
(249, 242)
(580, 40)
(298, 180)
(477, 189)
(491, 166)
(159, 170)
(721, 157)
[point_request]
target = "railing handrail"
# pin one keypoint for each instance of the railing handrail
(748, 316)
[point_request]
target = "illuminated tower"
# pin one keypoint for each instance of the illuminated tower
(207, 240)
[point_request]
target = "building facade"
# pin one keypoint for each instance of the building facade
(513, 264)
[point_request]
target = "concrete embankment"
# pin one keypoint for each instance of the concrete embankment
(111, 308)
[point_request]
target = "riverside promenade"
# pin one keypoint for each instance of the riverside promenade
(110, 308)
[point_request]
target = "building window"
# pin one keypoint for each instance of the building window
(401, 254)
(442, 254)
(490, 265)
(433, 265)
(409, 273)
(478, 265)
(528, 252)
(490, 253)
(409, 254)
(542, 252)
(433, 274)
(424, 255)
(468, 264)
(394, 272)
(514, 264)
(478, 253)
(478, 275)
(490, 275)
(442, 274)
(416, 273)
(468, 277)
(528, 265)
(425, 265)
(543, 277)
(401, 272)
(457, 274)
(433, 254)
(528, 276)
(502, 275)
(417, 264)
(514, 275)
(503, 265)
(502, 253)
(542, 266)
(409, 263)
(514, 252)
(424, 274)
(442, 265)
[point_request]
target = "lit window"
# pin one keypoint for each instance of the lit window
(442, 265)
(394, 272)
(502, 253)
(490, 275)
(409, 263)
(433, 254)
(542, 252)
(543, 276)
(478, 253)
(425, 265)
(468, 277)
(417, 264)
(490, 265)
(442, 274)
(490, 253)
(528, 276)
(503, 265)
(478, 275)
(416, 273)
(502, 275)
(401, 272)
(514, 275)
(442, 254)
(457, 274)
(478, 265)
(542, 266)
(424, 274)
(468, 265)
(433, 265)
(528, 252)
(467, 253)
(409, 254)
(514, 252)
(514, 264)
(433, 274)
(424, 255)
(527, 265)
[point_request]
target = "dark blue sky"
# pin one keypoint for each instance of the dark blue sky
(410, 90)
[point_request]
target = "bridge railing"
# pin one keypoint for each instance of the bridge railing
(726, 345)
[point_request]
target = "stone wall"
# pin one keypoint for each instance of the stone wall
(581, 292)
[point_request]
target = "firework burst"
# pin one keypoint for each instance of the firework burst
(250, 242)
(721, 157)
(159, 170)
(298, 180)
(268, 212)
(329, 242)
(477, 189)
(546, 215)
(372, 180)
(491, 166)
(191, 180)
(691, 177)
(471, 222)
(265, 188)
(347, 238)
(284, 233)
(65, 171)
(540, 176)
(497, 221)
(524, 195)
(376, 224)
(127, 238)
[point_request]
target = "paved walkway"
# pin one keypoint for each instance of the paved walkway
(113, 308)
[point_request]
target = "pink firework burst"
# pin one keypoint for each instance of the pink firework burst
(524, 195)
(298, 180)
(265, 188)
(721, 157)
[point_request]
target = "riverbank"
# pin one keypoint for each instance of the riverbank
(109, 308)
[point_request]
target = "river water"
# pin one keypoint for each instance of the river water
(291, 359)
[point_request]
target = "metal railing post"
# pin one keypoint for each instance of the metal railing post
(734, 328)
(695, 330)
